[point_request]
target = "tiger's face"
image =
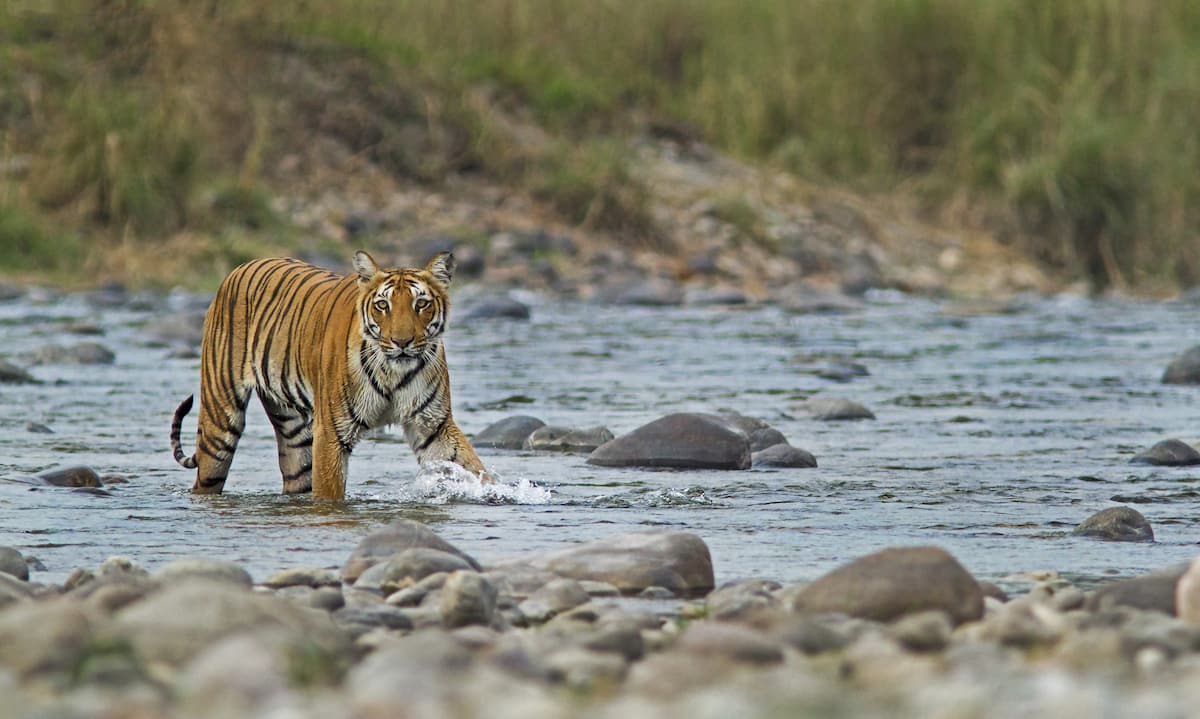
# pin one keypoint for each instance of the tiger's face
(403, 311)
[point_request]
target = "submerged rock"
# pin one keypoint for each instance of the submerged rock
(12, 562)
(684, 440)
(499, 307)
(1184, 368)
(893, 582)
(382, 544)
(1169, 453)
(1119, 524)
(567, 439)
(72, 477)
(783, 455)
(831, 409)
(508, 433)
(12, 374)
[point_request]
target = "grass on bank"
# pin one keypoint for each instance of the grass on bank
(1065, 127)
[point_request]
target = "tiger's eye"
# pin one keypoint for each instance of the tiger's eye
(381, 305)
(421, 304)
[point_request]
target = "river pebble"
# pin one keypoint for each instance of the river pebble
(401, 534)
(834, 409)
(782, 455)
(567, 439)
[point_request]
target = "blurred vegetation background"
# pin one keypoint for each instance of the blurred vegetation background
(1066, 128)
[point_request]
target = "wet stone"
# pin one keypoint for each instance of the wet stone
(731, 641)
(782, 455)
(1184, 368)
(12, 374)
(492, 308)
(555, 597)
(410, 566)
(84, 353)
(1118, 524)
(740, 599)
(923, 631)
(467, 598)
(37, 428)
(508, 433)
(683, 440)
(567, 439)
(1154, 591)
(1169, 453)
(361, 619)
(71, 477)
(834, 409)
(306, 577)
(215, 570)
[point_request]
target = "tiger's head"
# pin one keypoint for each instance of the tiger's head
(403, 310)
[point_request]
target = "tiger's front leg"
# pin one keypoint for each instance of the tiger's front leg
(444, 442)
(330, 460)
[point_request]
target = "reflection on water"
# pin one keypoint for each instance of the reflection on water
(996, 434)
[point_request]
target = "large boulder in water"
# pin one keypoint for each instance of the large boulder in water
(382, 544)
(1118, 524)
(1169, 453)
(1184, 369)
(508, 433)
(684, 440)
(894, 582)
(678, 561)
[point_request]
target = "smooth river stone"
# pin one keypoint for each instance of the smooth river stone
(1154, 591)
(894, 582)
(508, 433)
(567, 439)
(1184, 369)
(401, 534)
(685, 440)
(1169, 453)
(1118, 524)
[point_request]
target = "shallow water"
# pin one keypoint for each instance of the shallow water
(996, 434)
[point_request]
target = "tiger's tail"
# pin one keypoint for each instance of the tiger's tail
(180, 412)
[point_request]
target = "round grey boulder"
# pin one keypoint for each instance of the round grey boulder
(12, 562)
(71, 477)
(1154, 591)
(499, 307)
(1169, 453)
(836, 409)
(684, 440)
(382, 544)
(189, 568)
(410, 566)
(894, 582)
(1118, 524)
(12, 374)
(1184, 368)
(508, 433)
(467, 598)
(567, 439)
(783, 455)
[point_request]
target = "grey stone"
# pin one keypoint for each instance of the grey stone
(499, 307)
(783, 455)
(1154, 591)
(12, 374)
(801, 298)
(37, 428)
(567, 439)
(740, 599)
(43, 637)
(84, 353)
(1118, 524)
(556, 596)
(181, 330)
(411, 673)
(405, 568)
(1184, 368)
(831, 409)
(893, 582)
(13, 590)
(189, 568)
(923, 631)
(71, 477)
(358, 619)
(175, 624)
(812, 636)
(384, 543)
(731, 641)
(12, 562)
(329, 599)
(1169, 453)
(508, 433)
(758, 431)
(303, 577)
(467, 598)
(677, 561)
(683, 440)
(649, 292)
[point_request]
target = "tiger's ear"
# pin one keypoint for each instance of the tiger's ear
(365, 266)
(442, 267)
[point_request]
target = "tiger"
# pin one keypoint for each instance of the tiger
(330, 357)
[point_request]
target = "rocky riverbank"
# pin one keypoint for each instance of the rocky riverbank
(627, 626)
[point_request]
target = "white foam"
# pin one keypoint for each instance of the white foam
(446, 482)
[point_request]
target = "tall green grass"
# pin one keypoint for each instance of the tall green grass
(1069, 126)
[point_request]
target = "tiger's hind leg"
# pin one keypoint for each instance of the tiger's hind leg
(222, 419)
(293, 435)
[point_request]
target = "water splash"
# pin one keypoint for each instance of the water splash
(446, 483)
